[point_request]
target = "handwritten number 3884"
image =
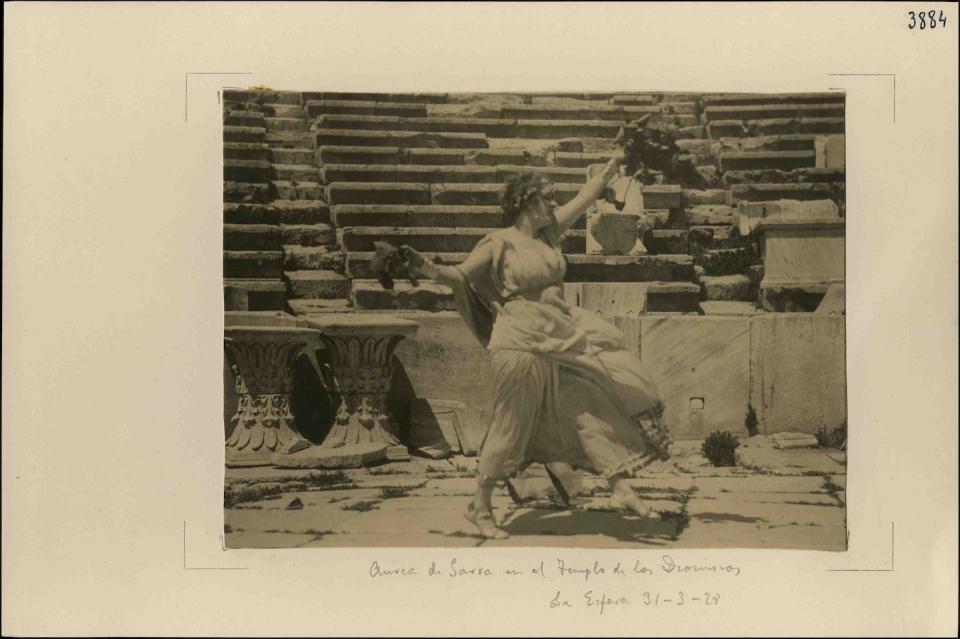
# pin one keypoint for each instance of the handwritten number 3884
(926, 19)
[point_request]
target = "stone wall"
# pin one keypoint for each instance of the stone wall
(442, 361)
(789, 367)
(798, 371)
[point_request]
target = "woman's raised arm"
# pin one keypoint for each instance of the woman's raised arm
(570, 212)
(477, 261)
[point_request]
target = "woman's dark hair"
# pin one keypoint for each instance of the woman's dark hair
(521, 190)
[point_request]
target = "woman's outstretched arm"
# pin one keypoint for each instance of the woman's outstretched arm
(570, 212)
(451, 276)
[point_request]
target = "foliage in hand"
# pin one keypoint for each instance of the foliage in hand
(651, 155)
(388, 263)
(719, 448)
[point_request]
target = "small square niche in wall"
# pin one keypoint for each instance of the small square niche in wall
(696, 403)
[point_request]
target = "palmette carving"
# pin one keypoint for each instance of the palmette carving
(263, 421)
(362, 367)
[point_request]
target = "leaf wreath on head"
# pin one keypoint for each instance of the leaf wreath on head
(524, 189)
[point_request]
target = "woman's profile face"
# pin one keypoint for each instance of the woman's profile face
(540, 212)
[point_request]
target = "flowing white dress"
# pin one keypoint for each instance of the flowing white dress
(566, 390)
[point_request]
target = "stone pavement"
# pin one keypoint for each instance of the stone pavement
(783, 499)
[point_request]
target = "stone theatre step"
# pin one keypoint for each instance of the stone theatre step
(244, 134)
(247, 170)
(626, 298)
(289, 139)
(286, 124)
(785, 142)
(346, 215)
(297, 172)
(771, 111)
(312, 258)
(492, 127)
(246, 151)
(252, 264)
(271, 237)
(435, 239)
(254, 294)
(426, 173)
(319, 284)
(411, 98)
(680, 114)
(777, 126)
(261, 97)
(428, 296)
(728, 288)
(275, 110)
(489, 194)
(392, 155)
(667, 241)
(580, 268)
(302, 155)
(248, 192)
(658, 297)
(787, 191)
(773, 98)
(662, 196)
(311, 307)
(356, 137)
(778, 176)
(244, 118)
(484, 194)
(783, 160)
(316, 108)
(277, 212)
(293, 190)
(570, 159)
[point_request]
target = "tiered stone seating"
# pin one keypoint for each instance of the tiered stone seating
(278, 238)
(312, 179)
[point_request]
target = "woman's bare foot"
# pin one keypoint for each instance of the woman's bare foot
(626, 499)
(485, 523)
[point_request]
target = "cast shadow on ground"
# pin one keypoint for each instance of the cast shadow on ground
(716, 518)
(625, 528)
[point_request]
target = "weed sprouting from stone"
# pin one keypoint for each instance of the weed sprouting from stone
(387, 470)
(361, 506)
(719, 447)
(832, 437)
(233, 495)
(392, 492)
(241, 492)
(751, 421)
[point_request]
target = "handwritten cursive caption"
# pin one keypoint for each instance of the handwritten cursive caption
(593, 598)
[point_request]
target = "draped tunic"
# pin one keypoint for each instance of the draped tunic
(566, 390)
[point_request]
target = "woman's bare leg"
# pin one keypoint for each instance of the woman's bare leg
(480, 511)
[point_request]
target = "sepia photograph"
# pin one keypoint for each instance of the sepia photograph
(479, 319)
(581, 320)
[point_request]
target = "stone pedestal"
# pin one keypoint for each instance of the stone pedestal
(749, 215)
(831, 152)
(618, 229)
(614, 234)
(801, 260)
(262, 360)
(361, 348)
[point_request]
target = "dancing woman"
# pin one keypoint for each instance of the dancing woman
(566, 390)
